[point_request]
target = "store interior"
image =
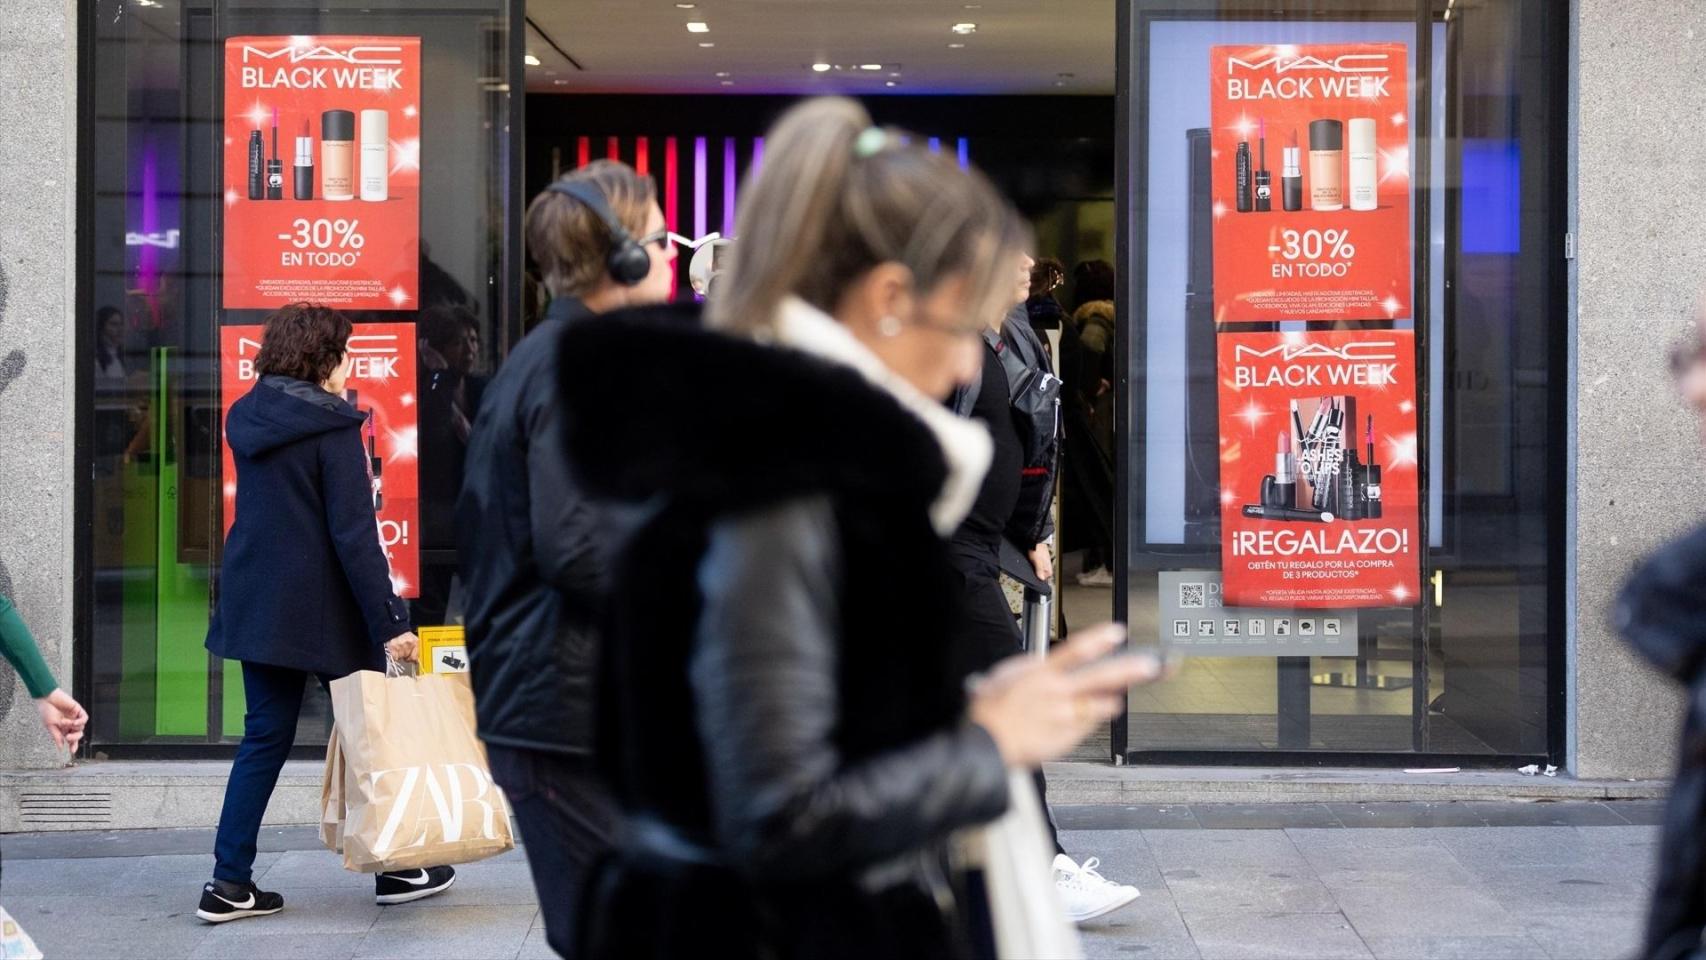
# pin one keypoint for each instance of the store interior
(1023, 90)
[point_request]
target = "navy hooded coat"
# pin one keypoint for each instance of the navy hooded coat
(304, 583)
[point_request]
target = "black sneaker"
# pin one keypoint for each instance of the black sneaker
(406, 885)
(222, 900)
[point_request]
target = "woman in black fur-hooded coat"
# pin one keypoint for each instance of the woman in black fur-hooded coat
(777, 712)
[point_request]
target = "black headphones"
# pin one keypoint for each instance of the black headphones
(627, 262)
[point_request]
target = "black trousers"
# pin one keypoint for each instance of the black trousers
(986, 632)
(273, 698)
(567, 819)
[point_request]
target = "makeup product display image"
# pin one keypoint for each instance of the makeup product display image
(1321, 480)
(319, 121)
(275, 166)
(1335, 238)
(1326, 165)
(1370, 493)
(302, 172)
(1364, 174)
(1242, 168)
(375, 154)
(375, 465)
(337, 155)
(1319, 468)
(257, 166)
(1291, 175)
(1264, 179)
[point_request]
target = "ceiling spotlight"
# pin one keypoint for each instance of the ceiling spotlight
(530, 60)
(956, 46)
(723, 73)
(820, 68)
(707, 44)
(685, 6)
(964, 28)
(561, 83)
(895, 74)
(890, 83)
(974, 6)
(870, 66)
(728, 83)
(698, 26)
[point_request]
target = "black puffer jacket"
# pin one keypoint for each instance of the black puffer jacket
(533, 555)
(1662, 613)
(778, 714)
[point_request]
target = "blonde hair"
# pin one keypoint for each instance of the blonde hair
(836, 197)
(569, 242)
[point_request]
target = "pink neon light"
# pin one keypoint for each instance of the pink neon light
(613, 148)
(583, 151)
(671, 183)
(757, 155)
(642, 155)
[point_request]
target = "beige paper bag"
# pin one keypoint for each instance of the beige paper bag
(332, 796)
(417, 790)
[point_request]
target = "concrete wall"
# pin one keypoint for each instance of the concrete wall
(38, 149)
(1641, 270)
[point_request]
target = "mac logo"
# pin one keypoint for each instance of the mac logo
(1346, 63)
(1289, 352)
(362, 56)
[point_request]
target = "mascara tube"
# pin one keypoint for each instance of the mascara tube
(1256, 511)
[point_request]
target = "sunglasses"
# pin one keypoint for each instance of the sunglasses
(663, 238)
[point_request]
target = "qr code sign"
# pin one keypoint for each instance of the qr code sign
(1192, 596)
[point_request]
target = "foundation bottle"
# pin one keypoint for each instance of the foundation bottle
(1364, 178)
(337, 155)
(1326, 165)
(375, 154)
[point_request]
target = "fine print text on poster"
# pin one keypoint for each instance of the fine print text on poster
(1311, 182)
(322, 172)
(1318, 469)
(381, 385)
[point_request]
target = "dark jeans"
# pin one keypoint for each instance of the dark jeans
(987, 633)
(274, 697)
(567, 818)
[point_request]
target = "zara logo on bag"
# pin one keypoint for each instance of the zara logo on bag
(450, 788)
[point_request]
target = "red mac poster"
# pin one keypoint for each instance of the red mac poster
(322, 172)
(1311, 182)
(382, 385)
(1318, 469)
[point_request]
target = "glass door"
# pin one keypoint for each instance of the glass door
(1341, 486)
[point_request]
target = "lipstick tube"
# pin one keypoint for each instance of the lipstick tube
(1291, 176)
(302, 172)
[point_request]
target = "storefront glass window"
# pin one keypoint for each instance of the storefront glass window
(1342, 410)
(243, 155)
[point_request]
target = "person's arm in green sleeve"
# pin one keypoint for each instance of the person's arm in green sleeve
(63, 716)
(19, 648)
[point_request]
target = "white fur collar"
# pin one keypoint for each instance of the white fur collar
(965, 443)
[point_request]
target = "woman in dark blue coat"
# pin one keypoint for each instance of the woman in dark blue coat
(305, 589)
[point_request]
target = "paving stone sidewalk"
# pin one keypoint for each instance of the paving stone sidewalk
(1553, 881)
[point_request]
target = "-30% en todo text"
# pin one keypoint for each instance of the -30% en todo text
(323, 243)
(1313, 253)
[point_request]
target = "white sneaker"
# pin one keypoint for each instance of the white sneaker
(1085, 893)
(1099, 577)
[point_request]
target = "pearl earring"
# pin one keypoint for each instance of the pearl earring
(889, 326)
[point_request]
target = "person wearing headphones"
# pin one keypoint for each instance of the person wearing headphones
(534, 550)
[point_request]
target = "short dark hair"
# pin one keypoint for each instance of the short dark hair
(443, 325)
(303, 340)
(1093, 280)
